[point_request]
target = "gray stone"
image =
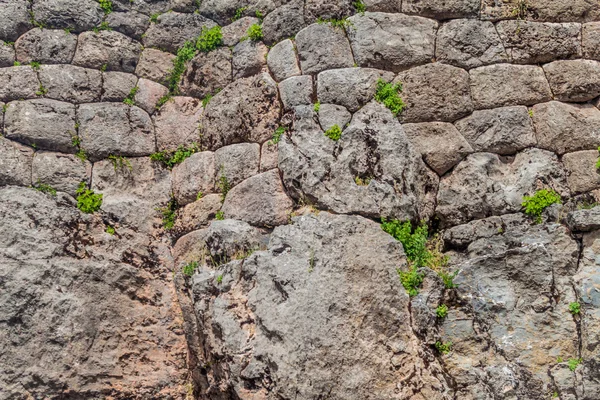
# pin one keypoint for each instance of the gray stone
(590, 40)
(107, 49)
(223, 11)
(237, 162)
(207, 73)
(113, 128)
(282, 60)
(7, 55)
(148, 94)
(116, 86)
(71, 83)
(559, 11)
(45, 124)
(469, 43)
(389, 6)
(173, 29)
(337, 9)
(64, 172)
(46, 46)
(331, 114)
(321, 47)
(391, 42)
(194, 175)
(18, 83)
(442, 10)
(228, 238)
(268, 156)
(198, 214)
(508, 85)
(316, 260)
(296, 90)
(246, 110)
(577, 80)
(435, 92)
(155, 65)
(504, 130)
(259, 200)
(284, 22)
(441, 145)
(373, 148)
(14, 19)
(235, 31)
(132, 196)
(176, 123)
(131, 23)
(483, 185)
(78, 15)
(582, 174)
(584, 220)
(249, 58)
(15, 163)
(563, 128)
(349, 87)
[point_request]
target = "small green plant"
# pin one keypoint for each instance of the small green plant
(317, 107)
(35, 65)
(259, 15)
(223, 184)
(443, 348)
(277, 135)
(190, 268)
(238, 13)
(387, 94)
(5, 108)
(170, 159)
(42, 91)
(103, 67)
(255, 32)
(362, 181)
(360, 6)
(441, 311)
(184, 54)
(334, 133)
(88, 201)
(169, 213)
(220, 215)
(414, 240)
(17, 64)
(536, 204)
(163, 100)
(44, 188)
(119, 162)
(343, 23)
(530, 112)
(154, 17)
(199, 195)
(81, 155)
(598, 161)
(209, 39)
(574, 363)
(411, 280)
(219, 279)
(209, 97)
(519, 10)
(575, 308)
(559, 359)
(102, 27)
(129, 100)
(68, 30)
(110, 230)
(555, 394)
(448, 278)
(106, 6)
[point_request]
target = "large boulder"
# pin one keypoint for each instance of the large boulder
(14, 19)
(71, 83)
(282, 60)
(373, 170)
(194, 177)
(18, 83)
(207, 73)
(15, 163)
(442, 9)
(107, 50)
(173, 29)
(321, 47)
(63, 172)
(46, 46)
(176, 123)
(576, 80)
(79, 15)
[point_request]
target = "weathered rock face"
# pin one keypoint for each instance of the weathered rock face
(237, 251)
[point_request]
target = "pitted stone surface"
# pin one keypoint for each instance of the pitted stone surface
(237, 162)
(207, 73)
(582, 174)
(64, 172)
(46, 46)
(337, 9)
(79, 15)
(331, 114)
(148, 94)
(442, 10)
(113, 128)
(590, 39)
(15, 163)
(71, 83)
(282, 60)
(284, 22)
(577, 80)
(155, 65)
(108, 50)
(322, 46)
(116, 86)
(18, 83)
(176, 123)
(193, 176)
(7, 55)
(131, 23)
(249, 58)
(14, 19)
(173, 29)
(235, 31)
(391, 42)
(296, 91)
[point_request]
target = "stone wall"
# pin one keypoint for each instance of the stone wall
(295, 293)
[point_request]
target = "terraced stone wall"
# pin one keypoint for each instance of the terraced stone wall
(501, 100)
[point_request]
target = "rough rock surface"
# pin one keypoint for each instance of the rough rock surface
(322, 46)
(46, 46)
(207, 73)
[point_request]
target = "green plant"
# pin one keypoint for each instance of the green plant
(334, 133)
(129, 100)
(88, 201)
(102, 27)
(154, 17)
(559, 359)
(220, 215)
(190, 268)
(441, 311)
(223, 184)
(575, 308)
(255, 32)
(387, 94)
(209, 39)
(360, 6)
(238, 13)
(573, 363)
(443, 348)
(106, 6)
(4, 108)
(199, 195)
(362, 182)
(44, 188)
(81, 155)
(169, 213)
(68, 30)
(536, 204)
(35, 65)
(163, 100)
(184, 54)
(555, 394)
(170, 159)
(209, 97)
(414, 240)
(259, 15)
(598, 161)
(277, 135)
(519, 10)
(219, 279)
(317, 106)
(110, 230)
(41, 91)
(103, 67)
(17, 64)
(530, 112)
(119, 162)
(448, 278)
(411, 280)
(343, 23)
